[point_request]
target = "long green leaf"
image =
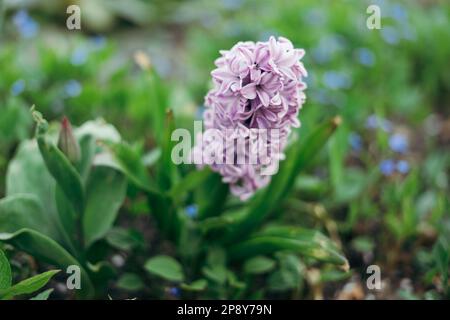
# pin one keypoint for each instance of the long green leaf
(59, 166)
(43, 248)
(305, 242)
(106, 189)
(29, 285)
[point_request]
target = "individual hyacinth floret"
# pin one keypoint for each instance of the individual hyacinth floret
(256, 86)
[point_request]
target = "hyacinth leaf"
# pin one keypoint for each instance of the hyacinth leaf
(87, 147)
(298, 157)
(46, 249)
(131, 164)
(44, 295)
(308, 243)
(28, 286)
(214, 199)
(190, 182)
(59, 166)
(26, 171)
(106, 189)
(69, 218)
(5, 272)
(159, 104)
(25, 211)
(165, 173)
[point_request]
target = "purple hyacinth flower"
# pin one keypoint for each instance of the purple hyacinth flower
(255, 86)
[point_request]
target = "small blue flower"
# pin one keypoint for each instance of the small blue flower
(365, 57)
(98, 42)
(73, 88)
(191, 211)
(79, 56)
(355, 141)
(175, 291)
(315, 17)
(374, 122)
(398, 143)
(399, 13)
(390, 35)
(337, 80)
(387, 167)
(26, 26)
(403, 166)
(18, 87)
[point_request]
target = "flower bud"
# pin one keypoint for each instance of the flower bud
(67, 142)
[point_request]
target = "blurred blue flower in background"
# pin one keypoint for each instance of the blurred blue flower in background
(98, 42)
(387, 167)
(398, 143)
(327, 48)
(26, 26)
(374, 122)
(355, 141)
(191, 211)
(73, 88)
(402, 166)
(315, 17)
(18, 87)
(174, 291)
(398, 12)
(365, 57)
(79, 56)
(390, 35)
(337, 80)
(232, 4)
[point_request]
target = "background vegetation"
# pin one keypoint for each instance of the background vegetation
(378, 189)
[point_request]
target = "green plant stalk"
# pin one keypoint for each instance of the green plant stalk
(297, 159)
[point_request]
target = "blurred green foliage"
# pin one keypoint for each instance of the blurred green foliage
(379, 189)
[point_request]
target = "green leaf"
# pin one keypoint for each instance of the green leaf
(166, 169)
(58, 165)
(131, 163)
(124, 239)
(309, 243)
(197, 285)
(5, 272)
(106, 189)
(258, 265)
(190, 182)
(87, 147)
(64, 173)
(25, 211)
(27, 174)
(130, 282)
(29, 285)
(43, 295)
(217, 273)
(47, 250)
(298, 157)
(165, 267)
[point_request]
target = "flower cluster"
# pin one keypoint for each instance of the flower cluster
(256, 86)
